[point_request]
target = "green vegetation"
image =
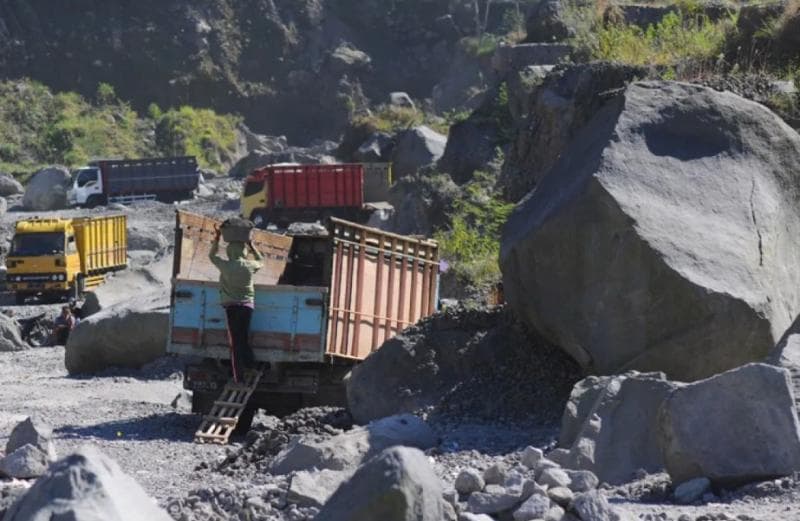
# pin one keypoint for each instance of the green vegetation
(38, 127)
(684, 34)
(197, 132)
(471, 242)
(390, 118)
(481, 46)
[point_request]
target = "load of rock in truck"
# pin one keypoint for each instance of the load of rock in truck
(61, 258)
(286, 193)
(323, 302)
(165, 179)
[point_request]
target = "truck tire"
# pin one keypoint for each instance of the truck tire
(94, 201)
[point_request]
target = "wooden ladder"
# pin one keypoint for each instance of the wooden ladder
(221, 421)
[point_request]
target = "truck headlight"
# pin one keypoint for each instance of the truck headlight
(54, 277)
(62, 277)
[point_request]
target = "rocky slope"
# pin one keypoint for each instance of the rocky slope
(293, 67)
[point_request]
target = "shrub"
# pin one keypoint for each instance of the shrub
(203, 133)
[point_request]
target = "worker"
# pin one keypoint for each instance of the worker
(64, 323)
(237, 296)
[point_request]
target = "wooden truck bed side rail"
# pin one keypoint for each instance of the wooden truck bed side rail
(194, 235)
(381, 283)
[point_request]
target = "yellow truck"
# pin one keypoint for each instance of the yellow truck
(58, 258)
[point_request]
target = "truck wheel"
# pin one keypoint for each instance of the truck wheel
(94, 201)
(19, 298)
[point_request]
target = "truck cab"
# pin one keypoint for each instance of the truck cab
(86, 188)
(43, 259)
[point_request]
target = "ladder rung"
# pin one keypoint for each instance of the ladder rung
(225, 420)
(222, 403)
(238, 387)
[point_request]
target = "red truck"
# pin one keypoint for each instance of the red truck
(281, 194)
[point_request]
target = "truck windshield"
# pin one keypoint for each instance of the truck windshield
(253, 187)
(37, 244)
(83, 176)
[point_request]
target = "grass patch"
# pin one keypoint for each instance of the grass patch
(202, 133)
(685, 34)
(481, 46)
(390, 118)
(471, 242)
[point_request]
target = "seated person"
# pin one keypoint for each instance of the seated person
(62, 327)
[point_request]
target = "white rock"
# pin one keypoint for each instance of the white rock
(26, 462)
(582, 480)
(531, 457)
(535, 507)
(495, 475)
(469, 481)
(554, 478)
(560, 495)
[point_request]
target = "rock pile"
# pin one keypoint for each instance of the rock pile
(446, 365)
(533, 488)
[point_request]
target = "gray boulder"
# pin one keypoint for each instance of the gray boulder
(86, 486)
(26, 462)
(733, 445)
(619, 433)
(663, 238)
(129, 334)
(32, 431)
(10, 337)
(47, 189)
(376, 149)
(9, 186)
(469, 481)
(416, 148)
(396, 485)
(422, 203)
(472, 145)
(535, 507)
(593, 506)
(349, 449)
(493, 500)
(314, 489)
(546, 22)
(401, 99)
(3, 206)
(147, 239)
(690, 491)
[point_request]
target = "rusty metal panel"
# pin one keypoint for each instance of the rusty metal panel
(382, 283)
(194, 235)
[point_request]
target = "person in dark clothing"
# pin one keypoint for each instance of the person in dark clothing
(237, 295)
(62, 327)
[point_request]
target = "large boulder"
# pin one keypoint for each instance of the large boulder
(732, 428)
(47, 189)
(619, 434)
(350, 449)
(10, 337)
(128, 334)
(146, 239)
(397, 485)
(546, 21)
(86, 486)
(664, 239)
(472, 145)
(422, 203)
(416, 148)
(9, 186)
(548, 116)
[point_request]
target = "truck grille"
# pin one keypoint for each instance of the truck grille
(35, 277)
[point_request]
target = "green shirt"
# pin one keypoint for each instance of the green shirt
(236, 276)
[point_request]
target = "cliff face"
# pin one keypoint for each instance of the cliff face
(288, 66)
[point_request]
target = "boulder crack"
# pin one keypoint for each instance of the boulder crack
(755, 223)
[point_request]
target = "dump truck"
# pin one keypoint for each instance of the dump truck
(166, 179)
(286, 193)
(324, 302)
(58, 258)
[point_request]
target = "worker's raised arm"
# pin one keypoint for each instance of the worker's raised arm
(216, 260)
(256, 254)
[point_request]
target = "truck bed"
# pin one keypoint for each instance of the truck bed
(289, 322)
